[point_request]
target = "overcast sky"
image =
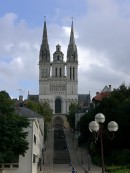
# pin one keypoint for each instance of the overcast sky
(102, 32)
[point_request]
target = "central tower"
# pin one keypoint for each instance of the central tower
(58, 79)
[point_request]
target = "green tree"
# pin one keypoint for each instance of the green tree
(115, 107)
(43, 108)
(12, 135)
(6, 104)
(71, 116)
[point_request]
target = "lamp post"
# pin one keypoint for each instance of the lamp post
(96, 126)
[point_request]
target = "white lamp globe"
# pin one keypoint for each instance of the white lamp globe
(112, 126)
(93, 126)
(100, 118)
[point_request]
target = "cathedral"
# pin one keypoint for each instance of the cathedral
(58, 79)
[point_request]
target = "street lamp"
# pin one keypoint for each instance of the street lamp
(96, 126)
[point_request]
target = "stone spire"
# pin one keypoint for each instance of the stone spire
(72, 40)
(72, 48)
(44, 38)
(44, 50)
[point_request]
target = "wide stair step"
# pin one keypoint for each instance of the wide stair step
(61, 153)
(61, 157)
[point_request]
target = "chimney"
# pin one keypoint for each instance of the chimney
(97, 93)
(20, 98)
(109, 87)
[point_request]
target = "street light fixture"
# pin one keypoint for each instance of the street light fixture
(96, 126)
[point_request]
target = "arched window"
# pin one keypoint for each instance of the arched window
(58, 105)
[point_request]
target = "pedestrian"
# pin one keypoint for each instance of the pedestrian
(73, 170)
(70, 166)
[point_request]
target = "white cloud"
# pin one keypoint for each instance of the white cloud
(19, 51)
(104, 40)
(102, 37)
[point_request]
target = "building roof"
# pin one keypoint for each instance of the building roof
(104, 93)
(31, 115)
(101, 95)
(34, 98)
(84, 100)
(28, 113)
(106, 89)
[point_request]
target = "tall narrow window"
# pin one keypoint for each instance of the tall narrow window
(46, 72)
(42, 73)
(34, 139)
(34, 158)
(46, 55)
(70, 72)
(60, 72)
(74, 57)
(56, 72)
(73, 72)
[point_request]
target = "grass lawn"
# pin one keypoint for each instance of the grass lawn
(122, 171)
(117, 169)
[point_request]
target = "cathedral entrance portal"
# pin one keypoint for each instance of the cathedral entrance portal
(58, 105)
(58, 123)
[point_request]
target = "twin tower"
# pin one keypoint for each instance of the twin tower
(58, 79)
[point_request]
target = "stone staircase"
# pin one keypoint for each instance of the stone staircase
(61, 153)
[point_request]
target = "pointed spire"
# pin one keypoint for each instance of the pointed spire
(72, 48)
(72, 40)
(44, 50)
(45, 39)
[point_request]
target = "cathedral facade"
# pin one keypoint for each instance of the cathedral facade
(58, 79)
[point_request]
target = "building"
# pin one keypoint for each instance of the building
(100, 95)
(58, 79)
(34, 157)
